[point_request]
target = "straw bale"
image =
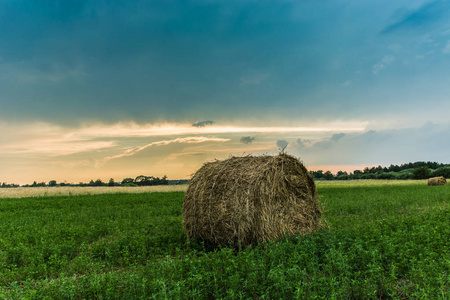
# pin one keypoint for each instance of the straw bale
(437, 181)
(247, 200)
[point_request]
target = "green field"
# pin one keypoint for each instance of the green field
(381, 242)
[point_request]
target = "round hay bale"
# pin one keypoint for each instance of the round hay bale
(247, 200)
(437, 181)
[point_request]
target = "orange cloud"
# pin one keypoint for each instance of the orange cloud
(187, 140)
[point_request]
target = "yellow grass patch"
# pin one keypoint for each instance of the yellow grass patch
(23, 192)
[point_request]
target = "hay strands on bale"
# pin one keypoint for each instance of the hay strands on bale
(250, 199)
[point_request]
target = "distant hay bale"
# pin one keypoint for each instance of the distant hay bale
(437, 181)
(247, 200)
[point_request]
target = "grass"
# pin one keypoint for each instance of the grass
(369, 182)
(23, 192)
(382, 242)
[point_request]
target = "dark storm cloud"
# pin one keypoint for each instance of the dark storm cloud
(203, 123)
(136, 60)
(247, 139)
(150, 61)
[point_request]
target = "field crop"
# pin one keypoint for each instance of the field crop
(23, 192)
(380, 242)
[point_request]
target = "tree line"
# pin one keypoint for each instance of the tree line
(416, 170)
(140, 180)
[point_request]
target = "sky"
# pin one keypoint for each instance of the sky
(116, 89)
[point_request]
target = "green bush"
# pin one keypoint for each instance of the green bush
(343, 177)
(421, 173)
(443, 171)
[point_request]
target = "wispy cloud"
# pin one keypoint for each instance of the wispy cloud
(254, 79)
(48, 140)
(337, 136)
(421, 18)
(55, 147)
(346, 83)
(53, 140)
(170, 129)
(446, 49)
(302, 142)
(325, 143)
(186, 140)
(385, 61)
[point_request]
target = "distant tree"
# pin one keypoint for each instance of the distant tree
(442, 171)
(141, 180)
(317, 174)
(404, 175)
(356, 174)
(111, 182)
(127, 180)
(52, 183)
(11, 185)
(343, 177)
(394, 168)
(421, 172)
(367, 176)
(159, 181)
(99, 182)
(328, 175)
(433, 165)
(91, 183)
(386, 175)
(339, 173)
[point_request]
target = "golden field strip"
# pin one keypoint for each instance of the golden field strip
(23, 192)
